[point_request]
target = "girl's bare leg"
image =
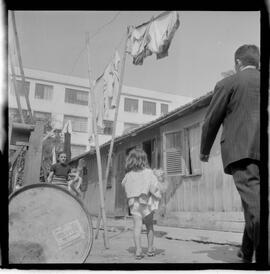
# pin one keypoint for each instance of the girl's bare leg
(137, 221)
(150, 231)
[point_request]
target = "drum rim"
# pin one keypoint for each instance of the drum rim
(27, 187)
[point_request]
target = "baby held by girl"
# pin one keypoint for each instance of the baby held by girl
(144, 188)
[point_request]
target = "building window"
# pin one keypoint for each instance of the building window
(131, 105)
(79, 124)
(149, 108)
(77, 97)
(43, 92)
(129, 126)
(14, 116)
(192, 145)
(20, 88)
(42, 116)
(108, 127)
(174, 153)
(164, 109)
(77, 150)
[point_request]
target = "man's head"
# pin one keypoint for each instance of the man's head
(247, 55)
(62, 157)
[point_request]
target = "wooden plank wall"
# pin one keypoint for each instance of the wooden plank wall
(213, 191)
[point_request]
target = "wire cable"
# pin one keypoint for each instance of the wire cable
(91, 37)
(102, 27)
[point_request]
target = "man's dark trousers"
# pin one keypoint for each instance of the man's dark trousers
(246, 175)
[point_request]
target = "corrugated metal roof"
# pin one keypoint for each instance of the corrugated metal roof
(176, 113)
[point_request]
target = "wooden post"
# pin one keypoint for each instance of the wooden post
(114, 124)
(101, 193)
(20, 64)
(17, 95)
(33, 156)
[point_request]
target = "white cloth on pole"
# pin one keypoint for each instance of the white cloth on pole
(111, 83)
(98, 91)
(53, 155)
(67, 127)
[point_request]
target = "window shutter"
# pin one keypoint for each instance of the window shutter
(174, 162)
(174, 153)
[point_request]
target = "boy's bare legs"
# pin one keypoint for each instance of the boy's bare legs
(137, 222)
(149, 223)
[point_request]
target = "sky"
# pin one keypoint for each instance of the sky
(202, 48)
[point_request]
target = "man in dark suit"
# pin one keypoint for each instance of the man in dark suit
(236, 105)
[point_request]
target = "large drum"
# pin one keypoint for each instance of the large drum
(48, 225)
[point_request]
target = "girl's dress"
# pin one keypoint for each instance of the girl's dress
(142, 192)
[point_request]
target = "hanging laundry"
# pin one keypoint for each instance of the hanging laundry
(154, 37)
(98, 91)
(111, 83)
(105, 91)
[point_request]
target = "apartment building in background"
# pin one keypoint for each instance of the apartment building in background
(61, 98)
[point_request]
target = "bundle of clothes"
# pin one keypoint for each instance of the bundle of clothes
(153, 37)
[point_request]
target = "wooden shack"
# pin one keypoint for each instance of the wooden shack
(199, 195)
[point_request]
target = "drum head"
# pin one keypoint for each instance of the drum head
(48, 225)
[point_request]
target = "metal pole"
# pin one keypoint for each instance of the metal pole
(15, 87)
(20, 64)
(103, 213)
(114, 124)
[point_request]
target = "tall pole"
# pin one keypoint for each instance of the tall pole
(101, 193)
(15, 87)
(20, 65)
(114, 123)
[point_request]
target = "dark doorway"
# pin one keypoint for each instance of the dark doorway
(147, 147)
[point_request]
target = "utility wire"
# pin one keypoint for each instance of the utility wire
(96, 33)
(102, 27)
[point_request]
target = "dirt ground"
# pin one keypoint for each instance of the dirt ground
(121, 250)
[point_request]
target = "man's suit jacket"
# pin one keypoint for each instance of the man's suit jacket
(235, 105)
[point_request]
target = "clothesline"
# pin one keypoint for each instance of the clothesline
(97, 32)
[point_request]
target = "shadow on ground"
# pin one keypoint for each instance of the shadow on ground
(131, 250)
(224, 253)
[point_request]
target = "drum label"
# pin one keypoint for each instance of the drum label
(68, 234)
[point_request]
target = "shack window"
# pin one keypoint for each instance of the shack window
(192, 144)
(174, 153)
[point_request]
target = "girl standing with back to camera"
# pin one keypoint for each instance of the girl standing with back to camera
(140, 184)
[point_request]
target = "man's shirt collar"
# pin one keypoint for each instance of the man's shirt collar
(247, 67)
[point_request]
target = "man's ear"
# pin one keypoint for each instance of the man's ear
(239, 62)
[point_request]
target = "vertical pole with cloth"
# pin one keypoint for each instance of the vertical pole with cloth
(20, 65)
(101, 192)
(114, 124)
